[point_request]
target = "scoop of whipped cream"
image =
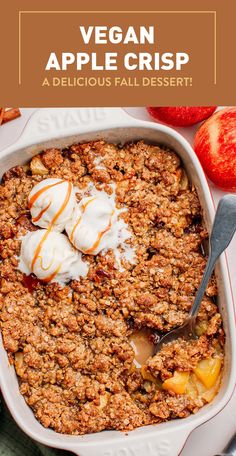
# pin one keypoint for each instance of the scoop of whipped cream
(51, 203)
(93, 225)
(51, 257)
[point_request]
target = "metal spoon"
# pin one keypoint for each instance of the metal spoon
(222, 232)
(230, 449)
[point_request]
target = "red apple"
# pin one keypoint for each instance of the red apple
(181, 116)
(215, 146)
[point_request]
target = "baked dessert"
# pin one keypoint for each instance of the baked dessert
(81, 339)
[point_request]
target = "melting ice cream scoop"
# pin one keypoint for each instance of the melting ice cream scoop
(94, 225)
(51, 257)
(51, 203)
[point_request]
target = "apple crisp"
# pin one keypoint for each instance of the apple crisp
(71, 345)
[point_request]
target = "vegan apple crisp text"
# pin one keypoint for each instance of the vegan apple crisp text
(100, 37)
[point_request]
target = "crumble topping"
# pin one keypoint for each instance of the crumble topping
(71, 346)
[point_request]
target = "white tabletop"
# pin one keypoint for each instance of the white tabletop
(210, 438)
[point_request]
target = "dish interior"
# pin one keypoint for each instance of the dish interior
(191, 171)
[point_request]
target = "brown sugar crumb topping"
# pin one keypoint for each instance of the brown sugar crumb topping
(71, 346)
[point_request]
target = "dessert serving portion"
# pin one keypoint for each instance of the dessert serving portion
(102, 252)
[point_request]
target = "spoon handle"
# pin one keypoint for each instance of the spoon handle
(222, 232)
(230, 449)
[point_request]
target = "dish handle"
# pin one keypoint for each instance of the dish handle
(58, 122)
(167, 443)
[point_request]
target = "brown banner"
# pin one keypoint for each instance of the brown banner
(58, 54)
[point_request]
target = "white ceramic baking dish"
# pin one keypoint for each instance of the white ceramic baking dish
(61, 127)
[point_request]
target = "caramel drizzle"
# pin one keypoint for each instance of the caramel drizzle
(41, 262)
(40, 192)
(34, 198)
(49, 278)
(55, 218)
(96, 243)
(74, 228)
(83, 206)
(39, 248)
(36, 219)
